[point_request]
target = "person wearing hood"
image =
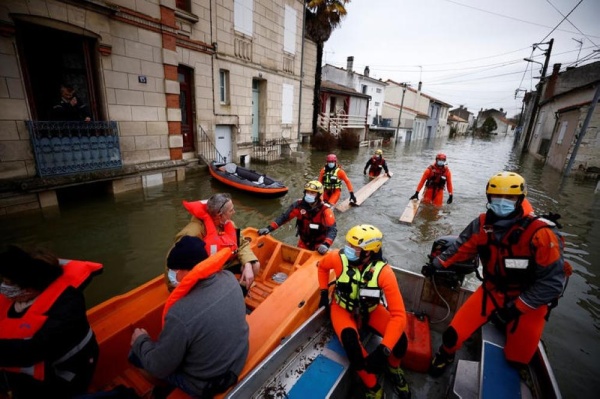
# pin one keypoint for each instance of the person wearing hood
(524, 273)
(315, 221)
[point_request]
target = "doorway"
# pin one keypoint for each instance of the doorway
(223, 143)
(255, 110)
(186, 104)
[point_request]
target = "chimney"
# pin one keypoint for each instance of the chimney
(367, 70)
(420, 84)
(350, 63)
(551, 85)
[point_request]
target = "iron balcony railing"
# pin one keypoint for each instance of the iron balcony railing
(270, 150)
(70, 147)
(207, 150)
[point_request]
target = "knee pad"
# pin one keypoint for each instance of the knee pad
(353, 349)
(450, 337)
(401, 346)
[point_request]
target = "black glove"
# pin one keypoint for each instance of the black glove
(376, 361)
(265, 231)
(415, 196)
(352, 197)
(364, 172)
(553, 217)
(324, 301)
(449, 199)
(501, 317)
(432, 267)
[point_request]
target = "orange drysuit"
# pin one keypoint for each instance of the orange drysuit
(350, 310)
(332, 183)
(522, 265)
(435, 178)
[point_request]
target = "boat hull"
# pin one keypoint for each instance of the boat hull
(247, 180)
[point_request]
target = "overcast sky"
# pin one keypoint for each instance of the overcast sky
(466, 52)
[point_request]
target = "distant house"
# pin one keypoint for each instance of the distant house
(422, 116)
(458, 123)
(464, 114)
(342, 108)
(504, 126)
(566, 98)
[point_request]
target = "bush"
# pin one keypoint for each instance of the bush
(323, 141)
(349, 140)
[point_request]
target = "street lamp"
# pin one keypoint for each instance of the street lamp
(404, 86)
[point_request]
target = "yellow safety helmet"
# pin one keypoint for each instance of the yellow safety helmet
(365, 236)
(378, 152)
(506, 183)
(314, 186)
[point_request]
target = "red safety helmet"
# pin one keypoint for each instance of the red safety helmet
(331, 158)
(441, 156)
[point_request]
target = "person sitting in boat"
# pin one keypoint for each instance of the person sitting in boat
(331, 176)
(47, 348)
(315, 221)
(523, 272)
(376, 164)
(362, 280)
(435, 178)
(204, 342)
(211, 221)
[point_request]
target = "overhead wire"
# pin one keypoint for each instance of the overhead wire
(569, 21)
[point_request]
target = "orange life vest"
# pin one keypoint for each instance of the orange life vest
(437, 179)
(201, 271)
(215, 240)
(75, 274)
(311, 217)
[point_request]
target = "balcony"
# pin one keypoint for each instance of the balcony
(67, 147)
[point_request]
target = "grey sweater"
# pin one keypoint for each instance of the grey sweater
(205, 334)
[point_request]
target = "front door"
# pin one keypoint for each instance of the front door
(223, 143)
(184, 75)
(255, 110)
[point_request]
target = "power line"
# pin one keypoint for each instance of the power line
(561, 21)
(572, 24)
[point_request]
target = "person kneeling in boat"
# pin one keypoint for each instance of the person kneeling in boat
(376, 164)
(211, 221)
(523, 272)
(362, 280)
(315, 221)
(47, 348)
(203, 344)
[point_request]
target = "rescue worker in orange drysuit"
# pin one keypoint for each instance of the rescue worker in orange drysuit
(331, 176)
(375, 164)
(523, 272)
(435, 178)
(362, 279)
(315, 222)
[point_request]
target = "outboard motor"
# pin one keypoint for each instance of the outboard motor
(454, 275)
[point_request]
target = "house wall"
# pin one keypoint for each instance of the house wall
(150, 38)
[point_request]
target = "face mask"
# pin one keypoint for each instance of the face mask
(351, 253)
(11, 291)
(502, 206)
(330, 164)
(172, 275)
(310, 198)
(440, 163)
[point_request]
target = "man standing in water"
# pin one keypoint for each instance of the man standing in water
(435, 178)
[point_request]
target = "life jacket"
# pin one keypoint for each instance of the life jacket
(76, 274)
(215, 240)
(437, 178)
(201, 271)
(508, 262)
(376, 163)
(357, 291)
(330, 178)
(310, 225)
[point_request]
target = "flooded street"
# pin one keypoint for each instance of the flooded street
(131, 233)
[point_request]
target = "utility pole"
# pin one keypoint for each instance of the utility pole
(538, 94)
(404, 85)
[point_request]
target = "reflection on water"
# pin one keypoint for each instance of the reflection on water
(131, 233)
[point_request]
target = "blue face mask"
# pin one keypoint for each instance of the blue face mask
(310, 198)
(330, 164)
(440, 163)
(351, 253)
(502, 207)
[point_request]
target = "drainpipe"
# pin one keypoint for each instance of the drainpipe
(584, 127)
(402, 106)
(301, 72)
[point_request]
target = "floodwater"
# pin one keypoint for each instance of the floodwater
(131, 233)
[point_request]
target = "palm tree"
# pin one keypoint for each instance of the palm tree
(322, 17)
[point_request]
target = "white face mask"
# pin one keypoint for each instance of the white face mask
(172, 276)
(502, 207)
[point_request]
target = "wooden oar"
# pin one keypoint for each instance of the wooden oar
(411, 209)
(364, 192)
